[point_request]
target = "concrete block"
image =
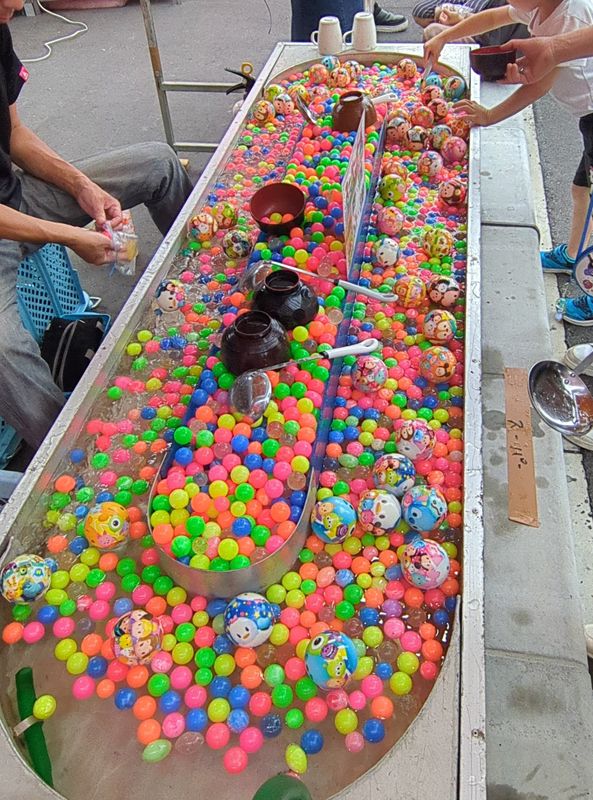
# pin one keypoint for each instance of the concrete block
(532, 600)
(515, 330)
(539, 736)
(505, 178)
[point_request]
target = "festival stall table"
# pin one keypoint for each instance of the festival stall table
(353, 506)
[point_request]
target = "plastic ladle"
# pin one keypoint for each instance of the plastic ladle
(560, 397)
(251, 393)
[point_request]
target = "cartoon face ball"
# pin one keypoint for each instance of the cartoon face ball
(333, 519)
(203, 227)
(264, 111)
(170, 295)
(385, 252)
(410, 290)
(433, 80)
(437, 364)
(390, 220)
(137, 636)
(439, 109)
(330, 62)
(417, 138)
(454, 149)
(330, 659)
(396, 133)
(394, 166)
(424, 508)
(320, 92)
(379, 511)
(249, 619)
(106, 525)
(439, 135)
(460, 127)
(339, 77)
(429, 164)
(437, 242)
(236, 243)
(407, 69)
(415, 439)
(422, 116)
(225, 214)
(369, 374)
(26, 578)
(443, 290)
(453, 192)
(392, 187)
(425, 563)
(319, 73)
(354, 68)
(430, 93)
(394, 473)
(284, 104)
(272, 91)
(454, 88)
(299, 90)
(439, 326)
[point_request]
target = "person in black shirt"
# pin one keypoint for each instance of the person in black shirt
(45, 199)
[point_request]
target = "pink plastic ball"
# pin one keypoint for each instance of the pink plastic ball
(251, 739)
(411, 641)
(181, 678)
(195, 696)
(235, 760)
(33, 632)
(429, 670)
(142, 594)
(357, 700)
(181, 613)
(116, 671)
(173, 725)
(218, 735)
(100, 609)
(316, 709)
(260, 704)
(354, 742)
(161, 661)
(372, 686)
(63, 627)
(204, 637)
(393, 628)
(105, 591)
(295, 668)
(337, 699)
(83, 687)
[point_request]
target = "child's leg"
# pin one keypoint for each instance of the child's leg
(580, 206)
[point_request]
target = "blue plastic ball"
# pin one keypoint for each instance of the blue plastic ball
(196, 719)
(124, 698)
(238, 720)
(312, 742)
(170, 701)
(373, 730)
(97, 667)
(271, 726)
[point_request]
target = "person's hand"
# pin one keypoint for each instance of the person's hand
(474, 113)
(98, 204)
(433, 47)
(92, 247)
(537, 60)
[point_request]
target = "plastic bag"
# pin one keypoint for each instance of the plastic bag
(125, 244)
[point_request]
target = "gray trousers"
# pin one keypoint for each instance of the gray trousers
(147, 173)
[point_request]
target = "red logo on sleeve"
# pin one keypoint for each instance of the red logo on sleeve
(24, 73)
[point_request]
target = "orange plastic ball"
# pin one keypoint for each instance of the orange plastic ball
(105, 688)
(382, 707)
(12, 633)
(91, 644)
(148, 731)
(145, 707)
(251, 676)
(414, 597)
(432, 650)
(137, 676)
(65, 483)
(245, 656)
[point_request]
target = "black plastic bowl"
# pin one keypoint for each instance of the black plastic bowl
(278, 198)
(491, 62)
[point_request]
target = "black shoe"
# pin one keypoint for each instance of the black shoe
(387, 22)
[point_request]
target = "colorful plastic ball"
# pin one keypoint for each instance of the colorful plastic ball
(331, 659)
(339, 77)
(454, 87)
(225, 214)
(330, 62)
(355, 69)
(410, 290)
(407, 69)
(418, 138)
(422, 116)
(369, 374)
(431, 92)
(437, 242)
(236, 243)
(300, 90)
(439, 135)
(424, 508)
(106, 525)
(453, 192)
(394, 473)
(460, 126)
(396, 134)
(249, 619)
(425, 563)
(272, 91)
(390, 220)
(385, 252)
(318, 73)
(429, 164)
(379, 511)
(454, 149)
(137, 636)
(437, 364)
(392, 187)
(26, 578)
(415, 439)
(284, 104)
(264, 111)
(439, 109)
(439, 326)
(203, 226)
(333, 519)
(443, 290)
(433, 79)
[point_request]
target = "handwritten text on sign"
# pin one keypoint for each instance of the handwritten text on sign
(353, 193)
(520, 462)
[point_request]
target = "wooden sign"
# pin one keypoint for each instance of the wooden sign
(520, 461)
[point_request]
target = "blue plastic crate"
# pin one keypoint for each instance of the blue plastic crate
(9, 443)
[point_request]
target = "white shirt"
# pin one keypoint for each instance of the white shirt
(573, 87)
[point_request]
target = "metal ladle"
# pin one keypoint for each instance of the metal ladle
(560, 397)
(253, 278)
(251, 393)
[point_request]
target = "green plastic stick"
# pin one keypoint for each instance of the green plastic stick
(34, 737)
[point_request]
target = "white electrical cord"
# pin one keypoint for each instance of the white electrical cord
(83, 28)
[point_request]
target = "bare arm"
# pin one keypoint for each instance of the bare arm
(523, 97)
(542, 54)
(474, 25)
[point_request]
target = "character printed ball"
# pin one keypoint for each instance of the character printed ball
(225, 214)
(379, 511)
(264, 111)
(410, 290)
(339, 77)
(444, 291)
(422, 116)
(417, 138)
(26, 578)
(330, 659)
(333, 519)
(429, 164)
(393, 166)
(354, 68)
(203, 227)
(424, 508)
(394, 473)
(415, 439)
(298, 90)
(369, 374)
(169, 296)
(425, 563)
(453, 192)
(433, 80)
(272, 91)
(439, 135)
(430, 93)
(396, 133)
(407, 69)
(106, 525)
(137, 636)
(390, 220)
(385, 253)
(319, 93)
(284, 104)
(454, 88)
(437, 364)
(437, 242)
(460, 127)
(318, 73)
(236, 243)
(330, 62)
(439, 326)
(249, 619)
(454, 149)
(439, 109)
(392, 187)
